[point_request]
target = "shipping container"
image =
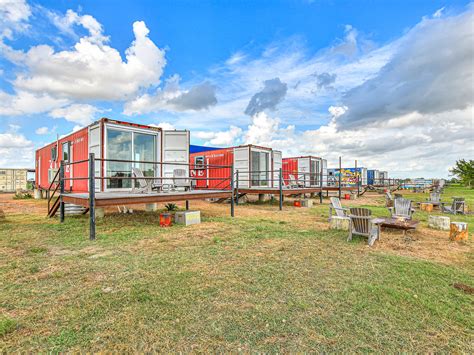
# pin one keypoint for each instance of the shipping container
(111, 139)
(306, 170)
(349, 177)
(12, 180)
(383, 175)
(256, 167)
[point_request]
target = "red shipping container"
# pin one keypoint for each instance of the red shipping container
(306, 170)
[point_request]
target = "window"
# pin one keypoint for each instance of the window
(66, 151)
(54, 153)
(199, 162)
(127, 145)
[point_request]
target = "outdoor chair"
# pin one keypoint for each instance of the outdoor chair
(361, 224)
(435, 197)
(456, 207)
(401, 208)
(294, 182)
(144, 185)
(388, 199)
(181, 180)
(338, 209)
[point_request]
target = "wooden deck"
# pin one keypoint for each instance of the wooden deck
(103, 199)
(293, 191)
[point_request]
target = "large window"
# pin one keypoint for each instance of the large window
(66, 151)
(260, 168)
(126, 145)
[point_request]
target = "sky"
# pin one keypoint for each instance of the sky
(389, 83)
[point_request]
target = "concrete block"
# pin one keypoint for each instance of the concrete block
(99, 212)
(439, 222)
(341, 223)
(187, 217)
(306, 203)
(151, 207)
(38, 194)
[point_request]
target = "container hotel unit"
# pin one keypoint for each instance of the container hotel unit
(306, 170)
(114, 140)
(12, 180)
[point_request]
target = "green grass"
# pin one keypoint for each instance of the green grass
(245, 284)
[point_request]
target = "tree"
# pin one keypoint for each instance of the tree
(464, 170)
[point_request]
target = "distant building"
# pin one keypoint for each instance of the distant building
(12, 180)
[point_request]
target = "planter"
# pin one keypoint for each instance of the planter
(166, 220)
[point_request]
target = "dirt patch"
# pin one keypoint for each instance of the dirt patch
(465, 288)
(30, 206)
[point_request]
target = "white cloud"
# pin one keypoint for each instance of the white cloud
(13, 17)
(42, 131)
(221, 138)
(172, 98)
(83, 114)
(24, 103)
(92, 69)
(15, 151)
(164, 126)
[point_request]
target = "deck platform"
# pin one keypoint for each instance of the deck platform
(103, 199)
(293, 191)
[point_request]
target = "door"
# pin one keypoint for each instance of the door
(175, 150)
(242, 165)
(303, 175)
(260, 167)
(325, 172)
(277, 165)
(94, 147)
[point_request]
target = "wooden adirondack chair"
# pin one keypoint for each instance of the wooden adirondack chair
(337, 207)
(361, 224)
(401, 208)
(456, 207)
(180, 179)
(144, 185)
(435, 197)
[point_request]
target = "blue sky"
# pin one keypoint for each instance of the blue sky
(384, 82)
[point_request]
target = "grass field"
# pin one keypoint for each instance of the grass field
(264, 281)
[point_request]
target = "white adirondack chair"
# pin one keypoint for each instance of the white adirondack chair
(294, 182)
(181, 180)
(338, 209)
(144, 185)
(401, 208)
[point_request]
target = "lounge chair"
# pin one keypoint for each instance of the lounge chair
(401, 208)
(181, 179)
(144, 185)
(294, 182)
(361, 224)
(456, 207)
(388, 199)
(435, 198)
(337, 207)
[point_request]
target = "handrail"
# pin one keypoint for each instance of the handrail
(51, 197)
(53, 181)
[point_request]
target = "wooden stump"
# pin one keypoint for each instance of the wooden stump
(428, 207)
(341, 223)
(458, 231)
(439, 222)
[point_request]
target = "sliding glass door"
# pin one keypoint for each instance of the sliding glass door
(128, 145)
(260, 168)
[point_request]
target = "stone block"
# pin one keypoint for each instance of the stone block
(439, 222)
(341, 223)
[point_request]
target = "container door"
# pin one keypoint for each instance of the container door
(242, 165)
(94, 147)
(277, 165)
(325, 172)
(303, 171)
(175, 150)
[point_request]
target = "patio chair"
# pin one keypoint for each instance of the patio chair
(294, 182)
(337, 207)
(435, 197)
(181, 179)
(144, 185)
(456, 207)
(401, 208)
(361, 224)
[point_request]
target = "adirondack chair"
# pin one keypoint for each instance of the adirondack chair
(361, 224)
(435, 197)
(294, 182)
(456, 207)
(338, 209)
(401, 208)
(144, 185)
(180, 179)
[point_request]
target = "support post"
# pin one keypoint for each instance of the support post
(187, 205)
(91, 196)
(232, 199)
(280, 186)
(321, 183)
(237, 187)
(61, 190)
(358, 176)
(340, 176)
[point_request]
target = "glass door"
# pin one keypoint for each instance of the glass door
(128, 145)
(260, 168)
